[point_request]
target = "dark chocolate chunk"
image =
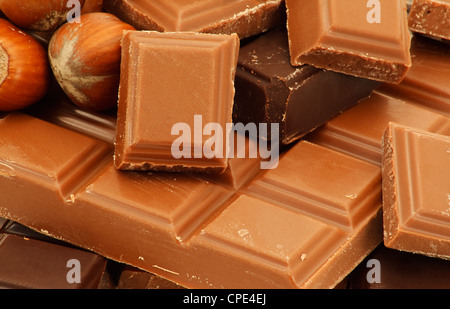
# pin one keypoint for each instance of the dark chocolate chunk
(300, 99)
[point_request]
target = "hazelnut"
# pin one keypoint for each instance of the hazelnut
(85, 59)
(24, 69)
(39, 15)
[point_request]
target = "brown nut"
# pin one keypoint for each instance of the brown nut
(24, 68)
(85, 59)
(40, 15)
(91, 6)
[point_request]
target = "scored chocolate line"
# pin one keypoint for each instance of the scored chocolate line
(412, 218)
(301, 271)
(379, 110)
(297, 260)
(212, 42)
(426, 84)
(412, 90)
(79, 175)
(72, 174)
(201, 200)
(221, 245)
(348, 143)
(326, 240)
(345, 38)
(310, 205)
(190, 221)
(314, 206)
(74, 177)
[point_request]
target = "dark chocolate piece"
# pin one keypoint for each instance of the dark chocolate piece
(3, 222)
(300, 99)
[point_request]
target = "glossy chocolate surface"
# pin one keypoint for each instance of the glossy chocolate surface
(299, 99)
(168, 79)
(243, 17)
(430, 17)
(314, 221)
(427, 83)
(416, 211)
(323, 33)
(193, 227)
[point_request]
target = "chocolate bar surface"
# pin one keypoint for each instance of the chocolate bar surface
(243, 17)
(427, 83)
(307, 223)
(359, 131)
(430, 17)
(416, 186)
(171, 81)
(299, 99)
(323, 33)
(194, 232)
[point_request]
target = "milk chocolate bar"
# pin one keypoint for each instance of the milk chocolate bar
(427, 84)
(243, 164)
(194, 232)
(175, 84)
(32, 260)
(387, 268)
(299, 99)
(430, 17)
(351, 37)
(243, 17)
(359, 131)
(416, 186)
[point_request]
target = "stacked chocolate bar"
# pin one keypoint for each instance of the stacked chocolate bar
(255, 144)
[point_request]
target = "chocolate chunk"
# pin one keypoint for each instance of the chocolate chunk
(416, 186)
(430, 17)
(243, 17)
(299, 99)
(193, 232)
(351, 37)
(172, 84)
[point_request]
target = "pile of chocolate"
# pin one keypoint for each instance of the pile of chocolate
(335, 174)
